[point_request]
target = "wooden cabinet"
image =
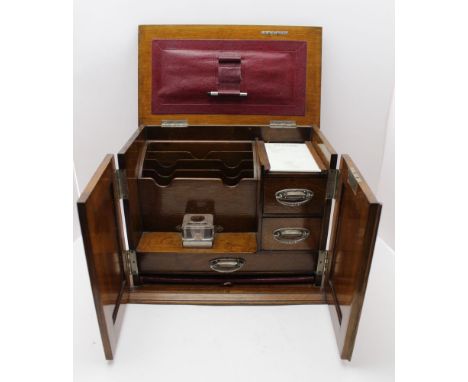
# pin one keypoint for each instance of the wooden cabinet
(208, 216)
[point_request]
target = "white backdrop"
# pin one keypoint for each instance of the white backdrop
(386, 190)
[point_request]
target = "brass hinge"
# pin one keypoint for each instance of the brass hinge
(173, 123)
(121, 184)
(322, 262)
(332, 182)
(132, 262)
(322, 266)
(280, 124)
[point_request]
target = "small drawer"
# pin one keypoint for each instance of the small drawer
(294, 195)
(227, 264)
(291, 234)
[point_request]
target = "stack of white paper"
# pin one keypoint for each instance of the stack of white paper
(291, 157)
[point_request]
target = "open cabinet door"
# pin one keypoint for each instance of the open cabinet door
(101, 227)
(355, 222)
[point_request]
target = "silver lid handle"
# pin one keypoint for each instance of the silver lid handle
(217, 94)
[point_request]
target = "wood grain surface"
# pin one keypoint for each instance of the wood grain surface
(101, 227)
(355, 223)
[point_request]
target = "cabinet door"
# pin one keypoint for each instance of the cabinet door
(355, 222)
(101, 225)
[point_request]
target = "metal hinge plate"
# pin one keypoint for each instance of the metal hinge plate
(174, 123)
(322, 266)
(322, 262)
(121, 184)
(279, 124)
(132, 262)
(332, 182)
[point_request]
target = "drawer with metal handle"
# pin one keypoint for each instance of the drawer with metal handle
(294, 195)
(228, 264)
(291, 233)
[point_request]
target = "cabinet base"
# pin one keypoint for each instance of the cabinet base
(217, 295)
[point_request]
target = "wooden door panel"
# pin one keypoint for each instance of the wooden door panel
(101, 226)
(355, 224)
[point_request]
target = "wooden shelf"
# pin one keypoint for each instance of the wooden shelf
(171, 242)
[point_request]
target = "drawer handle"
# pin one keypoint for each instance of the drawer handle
(291, 235)
(293, 197)
(226, 264)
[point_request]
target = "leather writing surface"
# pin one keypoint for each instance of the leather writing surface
(272, 73)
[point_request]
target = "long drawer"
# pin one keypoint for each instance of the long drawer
(227, 264)
(291, 233)
(294, 195)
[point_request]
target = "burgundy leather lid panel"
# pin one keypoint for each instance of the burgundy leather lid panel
(272, 73)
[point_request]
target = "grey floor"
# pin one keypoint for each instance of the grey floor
(196, 343)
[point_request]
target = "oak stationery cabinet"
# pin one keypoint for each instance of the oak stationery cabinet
(224, 193)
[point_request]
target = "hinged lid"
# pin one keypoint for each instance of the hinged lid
(229, 75)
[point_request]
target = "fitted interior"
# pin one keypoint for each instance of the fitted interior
(228, 161)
